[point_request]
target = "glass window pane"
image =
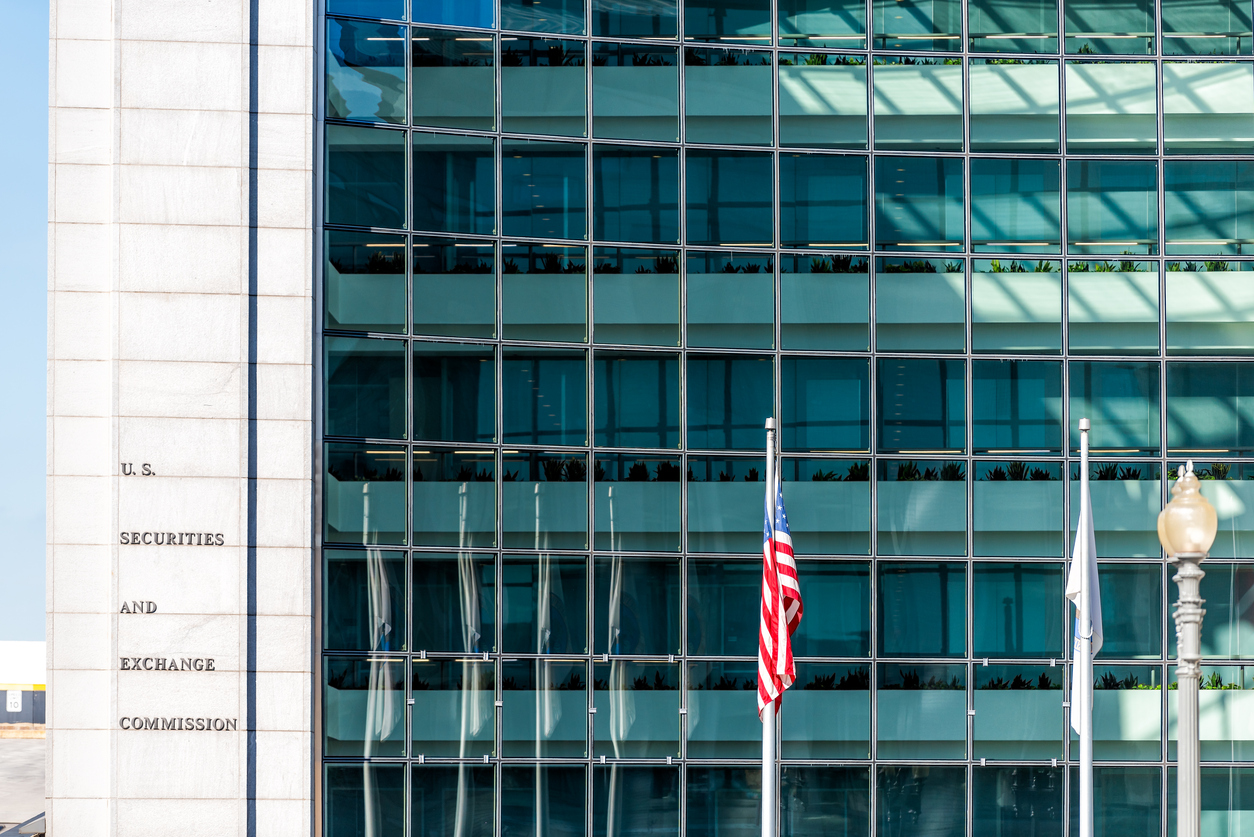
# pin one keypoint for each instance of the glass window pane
(1126, 800)
(542, 86)
(637, 707)
(1017, 802)
(1224, 706)
(929, 801)
(544, 293)
(723, 613)
(635, 296)
(828, 717)
(829, 502)
(363, 710)
(1125, 507)
(729, 197)
(454, 183)
(920, 305)
(922, 609)
(452, 715)
(350, 813)
(1209, 206)
(454, 12)
(635, 800)
(731, 299)
(842, 626)
(364, 600)
(1230, 489)
(724, 501)
(616, 20)
(637, 399)
(1132, 611)
(1118, 27)
(1093, 126)
(365, 176)
(1112, 307)
(1229, 630)
(922, 512)
(1210, 308)
(1016, 306)
(821, 801)
(635, 90)
(545, 604)
(822, 199)
(822, 98)
(392, 9)
(454, 498)
(724, 801)
(729, 399)
(1018, 712)
(1127, 724)
(823, 23)
(637, 605)
(442, 797)
(921, 405)
(826, 404)
(544, 194)
(918, 203)
(454, 287)
(635, 194)
(454, 602)
(546, 397)
(564, 17)
(1112, 207)
(1208, 107)
(1018, 508)
(1018, 407)
(363, 494)
(454, 392)
(1018, 613)
(637, 505)
(1211, 28)
(721, 713)
(1225, 797)
(1209, 408)
(454, 79)
(824, 302)
(1121, 400)
(1015, 206)
(544, 500)
(543, 800)
(727, 94)
(727, 20)
(918, 101)
(365, 387)
(922, 715)
(365, 70)
(1013, 25)
(1014, 104)
(917, 24)
(364, 279)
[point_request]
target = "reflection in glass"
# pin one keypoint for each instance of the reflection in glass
(544, 189)
(545, 393)
(723, 600)
(1210, 308)
(1015, 206)
(1208, 206)
(1016, 306)
(1209, 408)
(545, 708)
(822, 100)
(454, 183)
(391, 9)
(365, 70)
(454, 79)
(1018, 408)
(1014, 104)
(921, 408)
(821, 801)
(545, 604)
(1119, 27)
(1225, 797)
(454, 287)
(364, 600)
(729, 197)
(365, 387)
(636, 605)
(1126, 800)
(918, 101)
(365, 176)
(451, 799)
(842, 627)
(563, 17)
(1013, 25)
(729, 398)
(724, 801)
(635, 193)
(543, 800)
(637, 503)
(731, 299)
(830, 502)
(1125, 507)
(1221, 27)
(544, 293)
(1112, 307)
(454, 12)
(1018, 508)
(920, 305)
(453, 714)
(634, 800)
(635, 91)
(922, 715)
(918, 202)
(454, 392)
(826, 404)
(724, 499)
(1132, 610)
(823, 23)
(829, 713)
(365, 798)
(637, 709)
(917, 24)
(454, 602)
(1208, 107)
(824, 302)
(363, 494)
(1127, 709)
(1093, 125)
(1121, 400)
(727, 95)
(635, 297)
(722, 710)
(1018, 712)
(922, 609)
(542, 86)
(1225, 703)
(636, 399)
(1112, 207)
(364, 281)
(454, 498)
(728, 20)
(823, 201)
(1229, 488)
(614, 20)
(544, 500)
(1017, 610)
(1017, 801)
(363, 707)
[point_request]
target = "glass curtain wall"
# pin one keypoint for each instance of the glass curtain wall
(572, 255)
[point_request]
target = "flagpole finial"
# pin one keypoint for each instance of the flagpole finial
(770, 423)
(1084, 424)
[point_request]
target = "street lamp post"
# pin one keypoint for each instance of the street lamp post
(1186, 529)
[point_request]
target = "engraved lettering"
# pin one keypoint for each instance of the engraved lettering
(127, 469)
(124, 610)
(220, 542)
(126, 664)
(231, 724)
(200, 723)
(124, 723)
(146, 539)
(126, 538)
(150, 607)
(150, 723)
(160, 664)
(209, 664)
(148, 471)
(198, 664)
(172, 538)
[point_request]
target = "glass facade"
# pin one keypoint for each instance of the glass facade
(574, 252)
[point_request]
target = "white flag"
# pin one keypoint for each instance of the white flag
(1082, 587)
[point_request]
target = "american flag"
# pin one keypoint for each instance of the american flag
(781, 605)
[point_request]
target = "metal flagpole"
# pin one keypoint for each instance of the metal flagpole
(1083, 668)
(769, 718)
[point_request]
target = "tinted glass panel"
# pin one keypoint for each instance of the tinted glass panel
(826, 404)
(455, 12)
(442, 797)
(364, 278)
(542, 85)
(365, 176)
(636, 606)
(365, 798)
(729, 399)
(635, 800)
(1018, 611)
(1013, 25)
(822, 201)
(614, 20)
(637, 400)
(825, 800)
(918, 102)
(454, 287)
(454, 498)
(1015, 206)
(365, 387)
(729, 197)
(917, 24)
(921, 405)
(1017, 406)
(454, 184)
(635, 91)
(544, 192)
(544, 293)
(545, 604)
(1017, 802)
(454, 79)
(545, 395)
(822, 99)
(365, 71)
(1112, 207)
(635, 296)
(1014, 104)
(454, 392)
(727, 96)
(922, 610)
(820, 23)
(635, 194)
(564, 17)
(364, 600)
(918, 202)
(454, 602)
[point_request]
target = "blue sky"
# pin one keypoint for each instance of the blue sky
(23, 339)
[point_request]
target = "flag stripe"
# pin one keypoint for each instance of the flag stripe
(781, 604)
